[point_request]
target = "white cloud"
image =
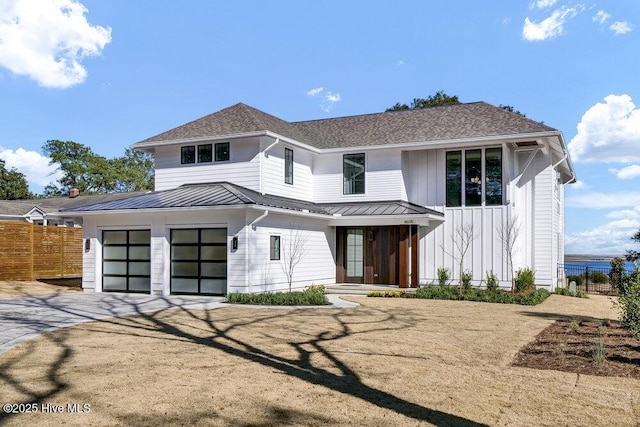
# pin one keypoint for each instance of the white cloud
(612, 238)
(628, 172)
(541, 4)
(550, 27)
(608, 132)
(48, 39)
(599, 200)
(601, 17)
(625, 214)
(400, 62)
(330, 99)
(579, 185)
(315, 91)
(621, 27)
(32, 164)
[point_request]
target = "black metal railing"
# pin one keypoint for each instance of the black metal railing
(592, 280)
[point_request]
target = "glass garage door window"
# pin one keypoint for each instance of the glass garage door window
(126, 261)
(199, 261)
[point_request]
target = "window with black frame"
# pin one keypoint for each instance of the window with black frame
(288, 166)
(204, 153)
(222, 151)
(188, 154)
(353, 171)
(479, 173)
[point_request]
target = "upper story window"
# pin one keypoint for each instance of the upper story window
(204, 153)
(274, 248)
(222, 151)
(353, 167)
(288, 166)
(188, 154)
(478, 172)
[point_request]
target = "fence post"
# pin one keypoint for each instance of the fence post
(586, 277)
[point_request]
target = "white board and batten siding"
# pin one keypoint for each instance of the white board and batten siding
(383, 180)
(242, 168)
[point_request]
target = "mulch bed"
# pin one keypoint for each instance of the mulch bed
(568, 345)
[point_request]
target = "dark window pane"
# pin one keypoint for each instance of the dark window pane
(188, 154)
(353, 169)
(140, 237)
(274, 248)
(493, 176)
(454, 178)
(114, 237)
(473, 177)
(204, 153)
(222, 151)
(288, 166)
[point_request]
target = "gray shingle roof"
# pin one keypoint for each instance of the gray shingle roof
(473, 120)
(221, 194)
(55, 204)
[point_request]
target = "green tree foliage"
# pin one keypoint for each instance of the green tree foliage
(440, 98)
(634, 255)
(511, 109)
(13, 184)
(92, 173)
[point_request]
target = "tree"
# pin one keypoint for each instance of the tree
(511, 109)
(462, 239)
(440, 98)
(508, 234)
(632, 255)
(293, 250)
(92, 173)
(13, 184)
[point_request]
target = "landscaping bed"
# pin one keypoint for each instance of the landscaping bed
(529, 297)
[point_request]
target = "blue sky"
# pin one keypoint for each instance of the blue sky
(110, 73)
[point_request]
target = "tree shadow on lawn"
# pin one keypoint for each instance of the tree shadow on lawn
(220, 337)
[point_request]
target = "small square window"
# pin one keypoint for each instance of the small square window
(188, 154)
(274, 248)
(204, 153)
(222, 151)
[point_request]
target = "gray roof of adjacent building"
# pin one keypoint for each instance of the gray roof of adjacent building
(55, 204)
(225, 194)
(450, 122)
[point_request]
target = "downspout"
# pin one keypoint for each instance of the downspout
(247, 231)
(264, 153)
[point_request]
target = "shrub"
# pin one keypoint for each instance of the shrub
(629, 302)
(443, 276)
(575, 278)
(616, 273)
(525, 279)
(492, 281)
(567, 292)
(483, 295)
(598, 277)
(599, 355)
(315, 289)
(387, 294)
(466, 279)
(306, 297)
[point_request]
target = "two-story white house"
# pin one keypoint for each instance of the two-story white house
(377, 198)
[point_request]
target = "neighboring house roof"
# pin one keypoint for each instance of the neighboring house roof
(221, 194)
(450, 122)
(55, 204)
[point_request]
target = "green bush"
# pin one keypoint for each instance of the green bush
(310, 296)
(598, 277)
(617, 273)
(567, 292)
(525, 279)
(466, 278)
(629, 302)
(575, 278)
(492, 281)
(483, 295)
(387, 294)
(443, 276)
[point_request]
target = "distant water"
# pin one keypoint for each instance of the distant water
(595, 265)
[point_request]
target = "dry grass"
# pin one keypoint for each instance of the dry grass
(388, 362)
(14, 288)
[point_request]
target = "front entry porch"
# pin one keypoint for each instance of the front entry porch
(378, 255)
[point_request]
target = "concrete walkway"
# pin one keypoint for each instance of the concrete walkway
(24, 318)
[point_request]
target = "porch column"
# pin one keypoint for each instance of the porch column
(415, 263)
(403, 256)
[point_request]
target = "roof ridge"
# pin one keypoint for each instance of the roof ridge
(231, 188)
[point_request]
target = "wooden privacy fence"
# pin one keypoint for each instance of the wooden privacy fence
(30, 252)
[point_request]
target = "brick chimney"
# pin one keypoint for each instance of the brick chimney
(73, 193)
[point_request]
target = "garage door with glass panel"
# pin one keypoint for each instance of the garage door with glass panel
(126, 265)
(199, 261)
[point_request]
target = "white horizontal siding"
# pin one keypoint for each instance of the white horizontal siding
(273, 172)
(243, 167)
(383, 178)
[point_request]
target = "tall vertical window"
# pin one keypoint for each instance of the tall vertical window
(454, 178)
(473, 177)
(288, 166)
(353, 173)
(493, 176)
(479, 172)
(204, 153)
(222, 151)
(274, 248)
(188, 154)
